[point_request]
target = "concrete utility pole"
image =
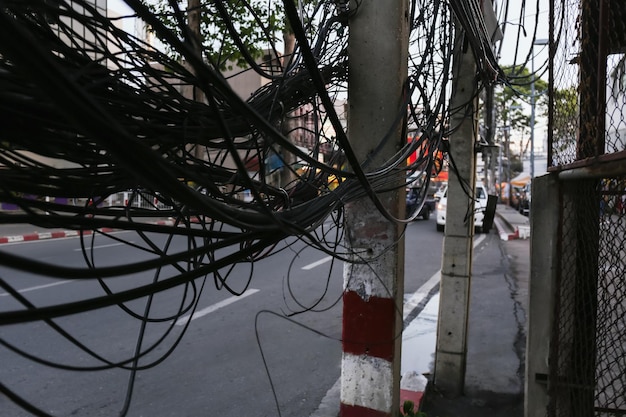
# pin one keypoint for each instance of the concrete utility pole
(373, 297)
(289, 125)
(490, 128)
(456, 268)
(193, 21)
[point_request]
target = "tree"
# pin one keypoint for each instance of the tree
(232, 31)
(510, 99)
(564, 120)
(513, 102)
(256, 26)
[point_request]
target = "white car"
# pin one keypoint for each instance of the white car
(479, 208)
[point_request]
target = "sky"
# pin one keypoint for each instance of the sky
(118, 6)
(533, 17)
(520, 12)
(526, 18)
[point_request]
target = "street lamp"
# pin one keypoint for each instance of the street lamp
(532, 107)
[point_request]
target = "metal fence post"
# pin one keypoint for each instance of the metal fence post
(544, 223)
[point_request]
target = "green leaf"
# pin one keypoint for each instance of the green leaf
(408, 407)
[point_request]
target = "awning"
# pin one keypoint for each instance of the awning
(521, 180)
(274, 163)
(442, 176)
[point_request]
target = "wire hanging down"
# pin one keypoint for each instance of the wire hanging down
(106, 128)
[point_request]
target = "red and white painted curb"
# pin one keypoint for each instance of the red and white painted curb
(509, 236)
(503, 231)
(46, 235)
(421, 346)
(412, 388)
(28, 237)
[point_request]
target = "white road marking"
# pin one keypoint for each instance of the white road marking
(199, 313)
(317, 263)
(39, 287)
(101, 246)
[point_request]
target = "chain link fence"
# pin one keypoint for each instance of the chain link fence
(587, 145)
(563, 93)
(588, 356)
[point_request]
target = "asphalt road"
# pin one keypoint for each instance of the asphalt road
(238, 356)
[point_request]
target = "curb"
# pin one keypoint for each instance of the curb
(512, 228)
(45, 235)
(29, 237)
(413, 384)
(503, 230)
(412, 388)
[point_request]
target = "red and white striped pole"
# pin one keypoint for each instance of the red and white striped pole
(372, 316)
(373, 283)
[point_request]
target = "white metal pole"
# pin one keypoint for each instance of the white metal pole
(532, 116)
(532, 107)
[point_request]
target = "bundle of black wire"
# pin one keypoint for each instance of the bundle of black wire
(76, 88)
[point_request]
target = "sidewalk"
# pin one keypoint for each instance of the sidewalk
(494, 380)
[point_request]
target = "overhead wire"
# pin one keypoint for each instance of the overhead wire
(89, 116)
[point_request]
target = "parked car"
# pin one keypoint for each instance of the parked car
(439, 193)
(480, 206)
(414, 185)
(524, 201)
(413, 200)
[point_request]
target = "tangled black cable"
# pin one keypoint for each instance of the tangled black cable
(102, 131)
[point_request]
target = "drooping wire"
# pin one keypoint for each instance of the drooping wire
(105, 132)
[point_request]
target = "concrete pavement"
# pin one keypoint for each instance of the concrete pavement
(494, 380)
